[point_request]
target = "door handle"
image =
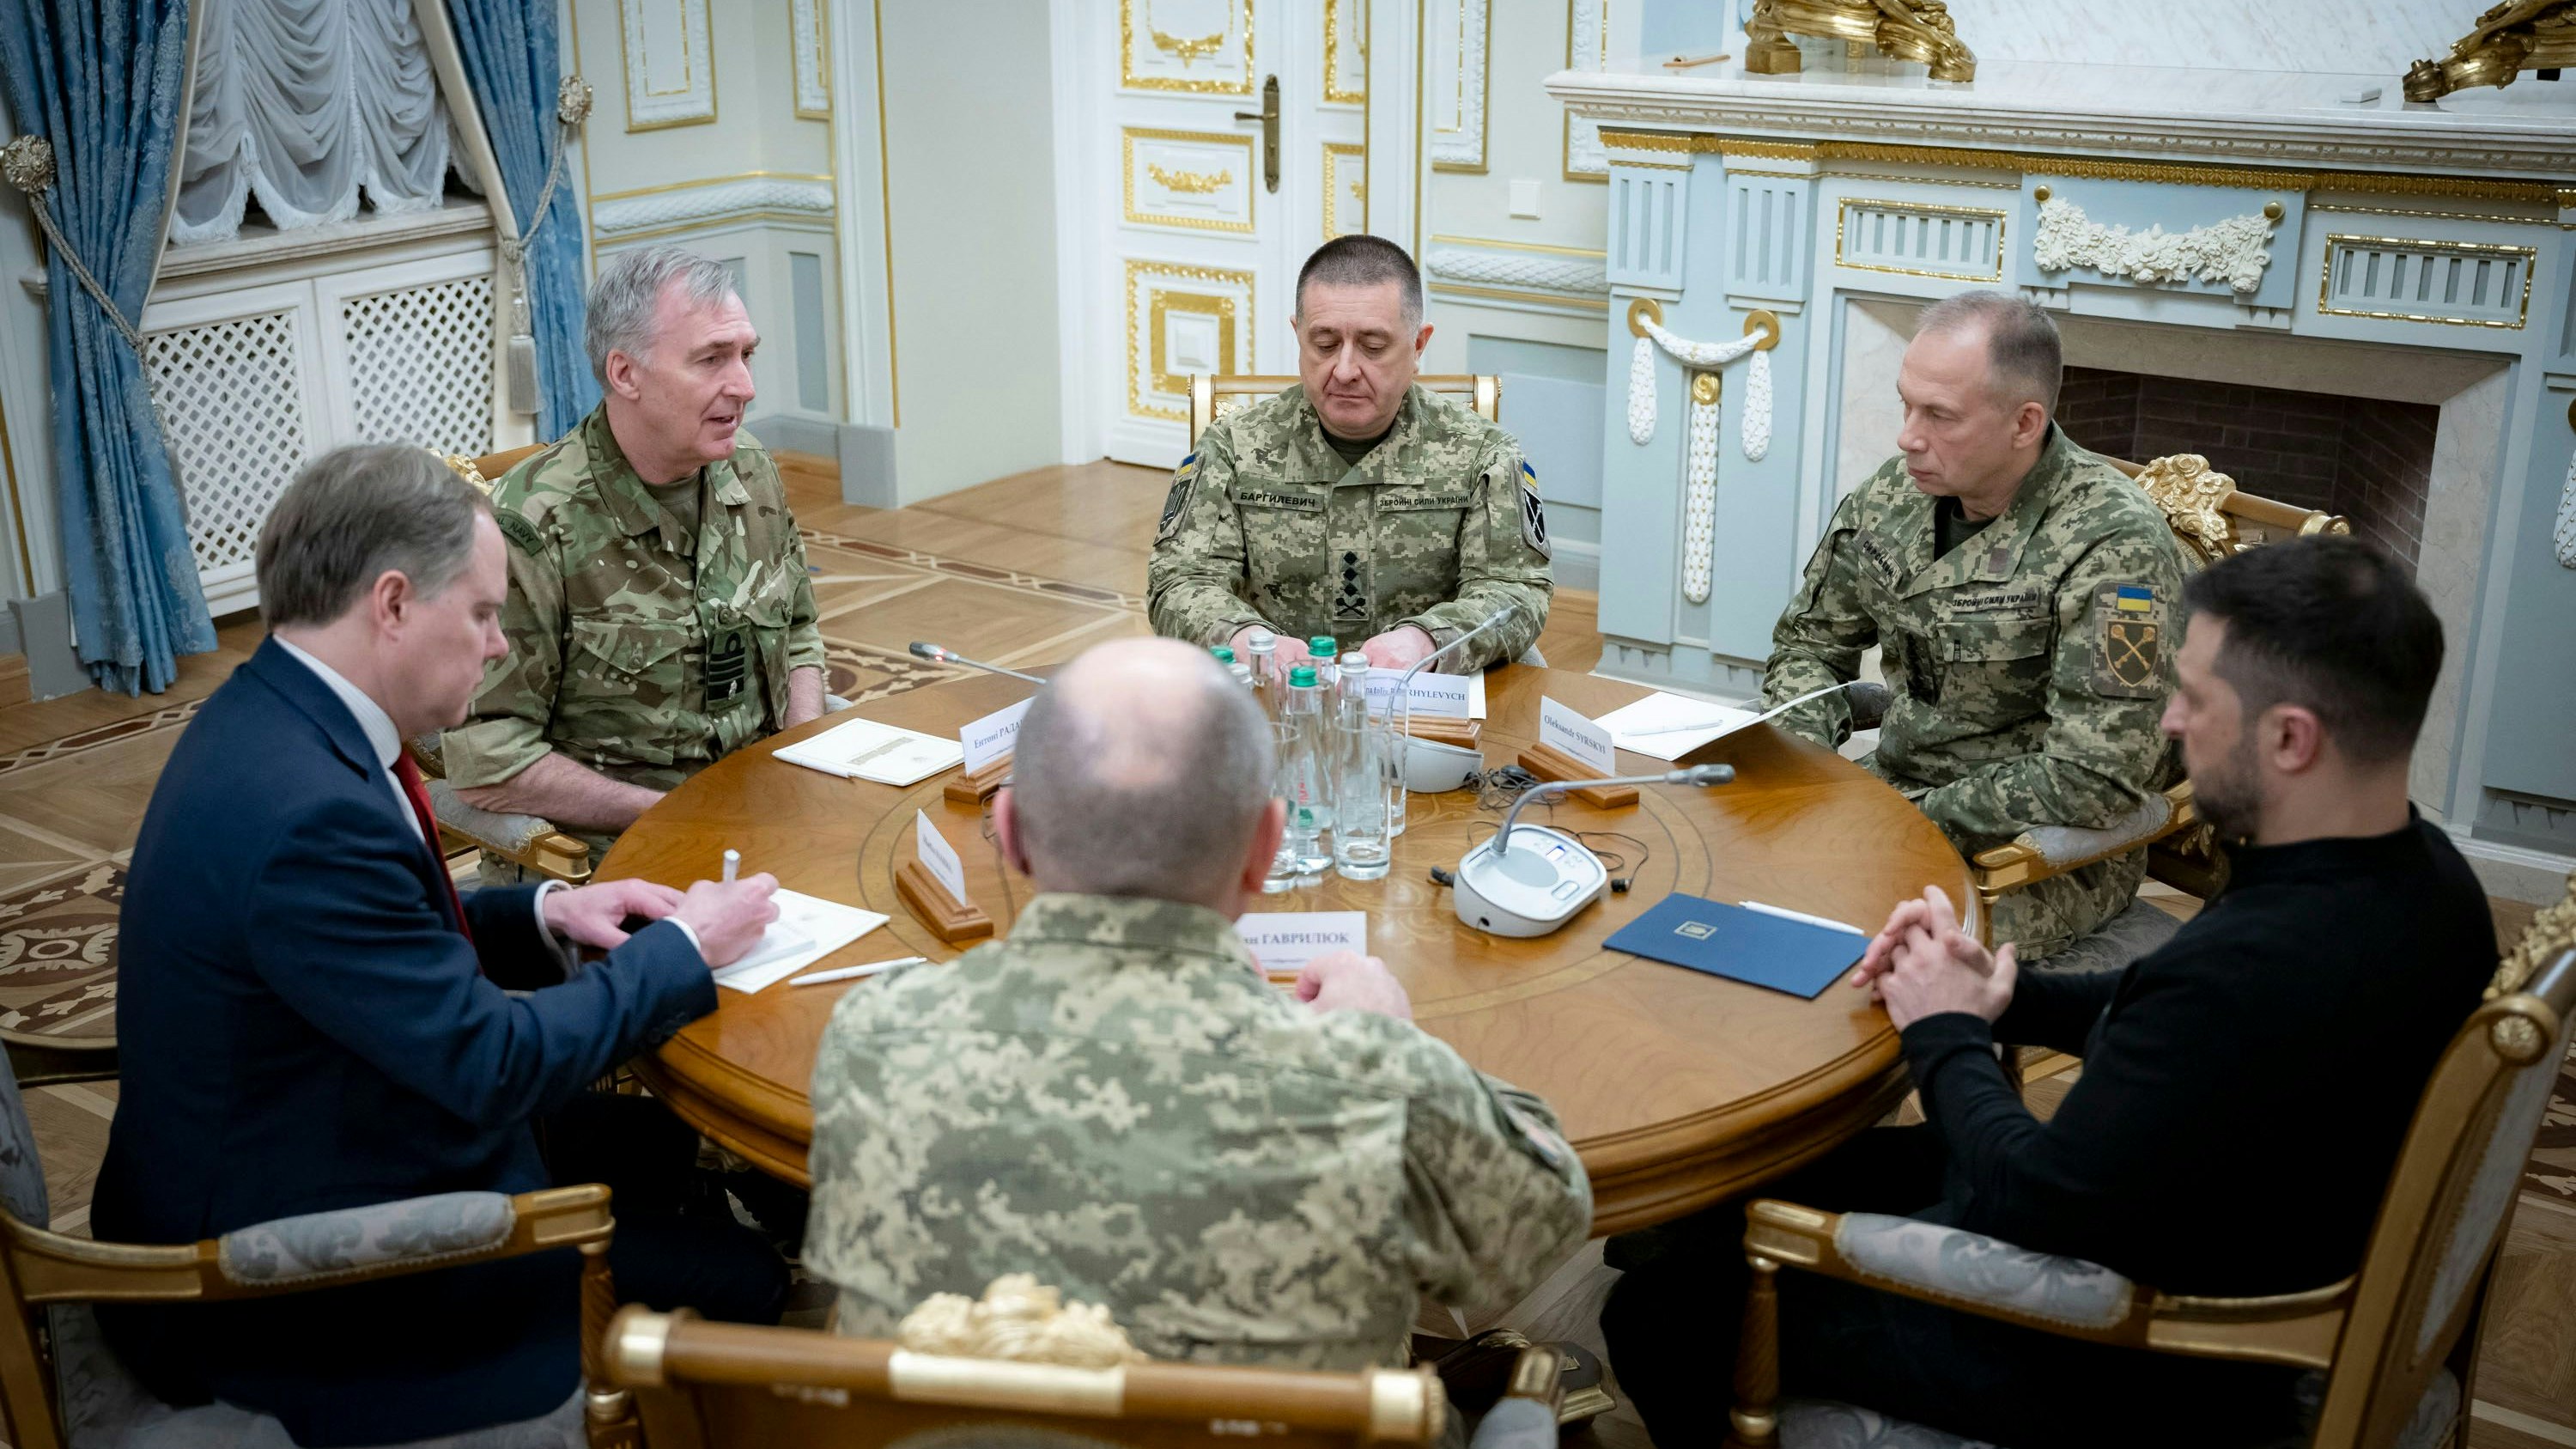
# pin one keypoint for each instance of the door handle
(1268, 116)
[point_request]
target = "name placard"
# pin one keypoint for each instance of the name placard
(1284, 941)
(1443, 695)
(1566, 729)
(990, 738)
(937, 856)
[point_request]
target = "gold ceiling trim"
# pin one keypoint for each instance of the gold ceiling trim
(2093, 168)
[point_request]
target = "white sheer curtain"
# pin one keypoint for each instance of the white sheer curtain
(302, 103)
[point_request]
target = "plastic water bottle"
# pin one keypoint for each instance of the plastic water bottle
(1308, 774)
(1360, 845)
(1224, 655)
(1266, 683)
(1324, 651)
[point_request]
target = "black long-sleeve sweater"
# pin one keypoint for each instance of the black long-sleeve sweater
(2245, 1088)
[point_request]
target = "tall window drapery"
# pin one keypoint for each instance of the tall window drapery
(510, 55)
(302, 103)
(102, 82)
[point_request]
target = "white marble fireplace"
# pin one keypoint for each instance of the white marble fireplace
(2338, 243)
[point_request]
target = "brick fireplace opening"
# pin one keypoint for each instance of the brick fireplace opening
(2367, 459)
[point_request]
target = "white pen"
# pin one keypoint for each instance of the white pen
(1789, 915)
(844, 973)
(733, 865)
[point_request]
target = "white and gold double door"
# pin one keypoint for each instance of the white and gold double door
(1234, 137)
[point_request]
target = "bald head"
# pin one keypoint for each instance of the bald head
(1141, 770)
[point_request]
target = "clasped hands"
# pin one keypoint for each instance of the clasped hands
(1399, 648)
(728, 916)
(1921, 964)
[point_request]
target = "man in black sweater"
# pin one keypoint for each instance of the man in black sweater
(2245, 1088)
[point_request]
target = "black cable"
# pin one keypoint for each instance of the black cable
(1620, 876)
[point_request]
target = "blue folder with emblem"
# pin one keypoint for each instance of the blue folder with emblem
(1741, 945)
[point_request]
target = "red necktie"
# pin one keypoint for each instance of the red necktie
(417, 791)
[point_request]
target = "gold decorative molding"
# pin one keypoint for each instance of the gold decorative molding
(1190, 183)
(1502, 244)
(1920, 31)
(2551, 931)
(1186, 183)
(669, 186)
(1765, 151)
(2486, 216)
(1158, 303)
(1333, 53)
(1335, 154)
(1188, 50)
(2529, 257)
(1507, 294)
(1927, 210)
(2511, 37)
(1681, 141)
(2193, 495)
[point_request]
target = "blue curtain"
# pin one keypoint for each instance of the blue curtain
(101, 80)
(509, 50)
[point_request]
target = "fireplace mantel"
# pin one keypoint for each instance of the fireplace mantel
(2416, 253)
(2255, 118)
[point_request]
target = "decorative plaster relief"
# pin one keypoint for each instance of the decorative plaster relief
(699, 205)
(1520, 269)
(813, 76)
(2234, 251)
(1457, 30)
(670, 63)
(1587, 47)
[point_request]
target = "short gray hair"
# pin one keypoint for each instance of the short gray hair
(1361, 260)
(628, 292)
(2023, 356)
(1114, 808)
(353, 515)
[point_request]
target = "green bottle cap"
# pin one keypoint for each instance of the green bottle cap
(1223, 654)
(1322, 647)
(1302, 677)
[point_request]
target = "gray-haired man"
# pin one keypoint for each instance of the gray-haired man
(1117, 1100)
(659, 614)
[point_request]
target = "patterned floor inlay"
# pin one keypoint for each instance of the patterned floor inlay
(176, 716)
(58, 956)
(2552, 1168)
(981, 573)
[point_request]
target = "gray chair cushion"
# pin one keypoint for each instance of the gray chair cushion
(105, 1408)
(319, 1246)
(22, 1176)
(1983, 1270)
(487, 828)
(1516, 1424)
(1822, 1424)
(2124, 938)
(2059, 844)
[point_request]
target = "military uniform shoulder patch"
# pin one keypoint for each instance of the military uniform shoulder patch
(1533, 512)
(2129, 643)
(1178, 500)
(520, 531)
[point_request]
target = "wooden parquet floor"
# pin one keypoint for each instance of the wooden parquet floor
(1027, 569)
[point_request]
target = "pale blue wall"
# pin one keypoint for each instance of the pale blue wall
(1552, 402)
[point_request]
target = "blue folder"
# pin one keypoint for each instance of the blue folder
(1741, 945)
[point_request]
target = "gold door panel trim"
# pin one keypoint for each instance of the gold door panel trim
(1197, 180)
(1152, 369)
(1336, 153)
(1138, 15)
(2527, 257)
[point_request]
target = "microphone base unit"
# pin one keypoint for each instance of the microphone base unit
(1546, 879)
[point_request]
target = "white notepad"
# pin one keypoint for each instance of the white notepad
(808, 929)
(866, 750)
(1658, 710)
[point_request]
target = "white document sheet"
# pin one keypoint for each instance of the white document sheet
(864, 749)
(808, 929)
(1629, 723)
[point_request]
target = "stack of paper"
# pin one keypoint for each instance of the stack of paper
(867, 750)
(808, 929)
(1649, 725)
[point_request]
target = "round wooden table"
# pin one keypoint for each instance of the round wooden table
(1679, 1089)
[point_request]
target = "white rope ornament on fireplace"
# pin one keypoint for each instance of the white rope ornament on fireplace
(1753, 424)
(2565, 535)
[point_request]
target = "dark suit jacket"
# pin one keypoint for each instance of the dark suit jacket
(302, 1028)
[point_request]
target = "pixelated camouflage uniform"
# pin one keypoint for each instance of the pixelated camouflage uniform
(1439, 526)
(613, 612)
(2027, 686)
(1116, 1100)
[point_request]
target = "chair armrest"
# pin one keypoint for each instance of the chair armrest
(290, 1255)
(2044, 851)
(527, 839)
(2067, 1297)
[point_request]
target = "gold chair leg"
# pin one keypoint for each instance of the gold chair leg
(608, 1415)
(1756, 1416)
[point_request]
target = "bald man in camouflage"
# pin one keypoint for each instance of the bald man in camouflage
(1356, 504)
(2021, 589)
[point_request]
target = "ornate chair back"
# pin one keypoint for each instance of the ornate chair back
(706, 1385)
(492, 465)
(2409, 1339)
(2211, 518)
(1211, 397)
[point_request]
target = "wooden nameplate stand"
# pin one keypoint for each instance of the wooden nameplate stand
(930, 901)
(977, 786)
(1444, 730)
(1550, 763)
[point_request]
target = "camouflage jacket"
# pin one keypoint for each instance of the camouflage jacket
(2029, 665)
(1116, 1100)
(636, 648)
(1439, 526)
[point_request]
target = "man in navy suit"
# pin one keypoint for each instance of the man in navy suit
(312, 1019)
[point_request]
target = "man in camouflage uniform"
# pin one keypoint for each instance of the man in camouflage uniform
(1116, 1100)
(2020, 587)
(659, 614)
(1357, 503)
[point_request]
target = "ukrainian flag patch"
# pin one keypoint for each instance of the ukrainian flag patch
(2136, 599)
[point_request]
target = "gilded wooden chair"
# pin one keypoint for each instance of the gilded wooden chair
(1212, 396)
(2212, 521)
(61, 1386)
(1018, 1368)
(2391, 1349)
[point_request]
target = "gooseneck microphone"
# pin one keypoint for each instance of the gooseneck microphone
(937, 655)
(1554, 789)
